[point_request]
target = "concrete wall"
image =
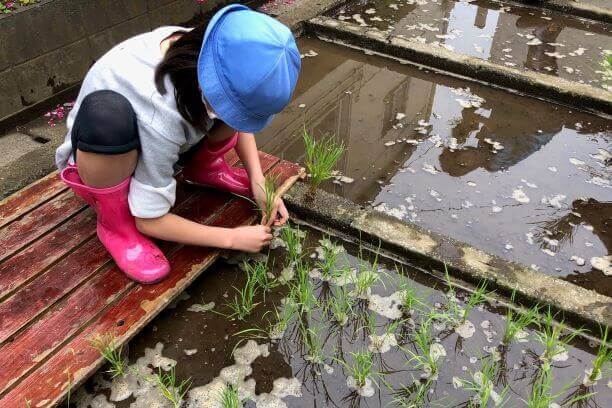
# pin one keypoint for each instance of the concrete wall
(48, 47)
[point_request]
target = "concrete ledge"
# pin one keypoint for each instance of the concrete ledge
(534, 84)
(574, 8)
(433, 251)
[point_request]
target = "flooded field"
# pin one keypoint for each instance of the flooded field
(524, 179)
(335, 326)
(509, 34)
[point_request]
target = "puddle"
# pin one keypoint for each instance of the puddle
(509, 34)
(285, 372)
(526, 180)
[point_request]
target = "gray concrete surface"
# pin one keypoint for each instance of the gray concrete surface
(575, 8)
(534, 84)
(432, 251)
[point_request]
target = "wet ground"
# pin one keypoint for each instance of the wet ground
(524, 179)
(285, 372)
(506, 33)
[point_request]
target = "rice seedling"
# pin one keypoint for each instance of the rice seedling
(481, 385)
(270, 194)
(169, 389)
(230, 398)
(604, 356)
(542, 396)
(243, 302)
(341, 306)
(410, 299)
(258, 271)
(414, 396)
(320, 158)
(366, 278)
(313, 343)
(428, 353)
(293, 238)
(551, 337)
(454, 313)
(516, 323)
(478, 297)
(302, 289)
(361, 367)
(106, 345)
(328, 258)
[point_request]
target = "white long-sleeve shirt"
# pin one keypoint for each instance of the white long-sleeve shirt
(129, 69)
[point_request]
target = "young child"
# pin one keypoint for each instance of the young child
(154, 97)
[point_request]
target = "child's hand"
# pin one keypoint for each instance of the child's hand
(279, 216)
(251, 238)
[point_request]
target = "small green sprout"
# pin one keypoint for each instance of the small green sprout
(341, 306)
(604, 356)
(483, 388)
(169, 389)
(551, 337)
(106, 345)
(270, 194)
(478, 297)
(361, 367)
(230, 398)
(244, 300)
(517, 322)
(320, 158)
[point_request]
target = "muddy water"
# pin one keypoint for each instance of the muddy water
(510, 34)
(526, 180)
(201, 344)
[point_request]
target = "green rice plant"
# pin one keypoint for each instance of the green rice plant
(243, 302)
(270, 194)
(361, 367)
(551, 338)
(414, 396)
(320, 158)
(169, 389)
(478, 297)
(341, 306)
(423, 358)
(302, 289)
(542, 396)
(410, 299)
(258, 271)
(454, 313)
(293, 238)
(312, 340)
(604, 356)
(366, 278)
(106, 345)
(230, 398)
(482, 387)
(327, 265)
(518, 322)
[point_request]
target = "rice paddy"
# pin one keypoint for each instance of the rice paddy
(350, 328)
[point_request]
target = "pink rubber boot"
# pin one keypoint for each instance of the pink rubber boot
(139, 258)
(209, 168)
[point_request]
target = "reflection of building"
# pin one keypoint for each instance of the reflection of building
(358, 103)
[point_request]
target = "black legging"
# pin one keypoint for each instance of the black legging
(105, 123)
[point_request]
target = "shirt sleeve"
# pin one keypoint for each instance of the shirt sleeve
(153, 187)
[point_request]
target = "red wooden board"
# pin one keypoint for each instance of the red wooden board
(58, 286)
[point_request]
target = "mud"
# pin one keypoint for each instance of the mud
(461, 349)
(517, 36)
(520, 178)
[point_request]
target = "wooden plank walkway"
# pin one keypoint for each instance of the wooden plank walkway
(59, 287)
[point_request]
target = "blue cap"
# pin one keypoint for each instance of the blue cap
(248, 67)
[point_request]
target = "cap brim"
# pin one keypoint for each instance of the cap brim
(223, 104)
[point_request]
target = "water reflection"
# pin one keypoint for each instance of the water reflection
(413, 147)
(506, 33)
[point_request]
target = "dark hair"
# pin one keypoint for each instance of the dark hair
(180, 64)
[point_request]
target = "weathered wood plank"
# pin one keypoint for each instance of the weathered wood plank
(70, 315)
(41, 339)
(35, 297)
(33, 260)
(35, 194)
(69, 367)
(23, 231)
